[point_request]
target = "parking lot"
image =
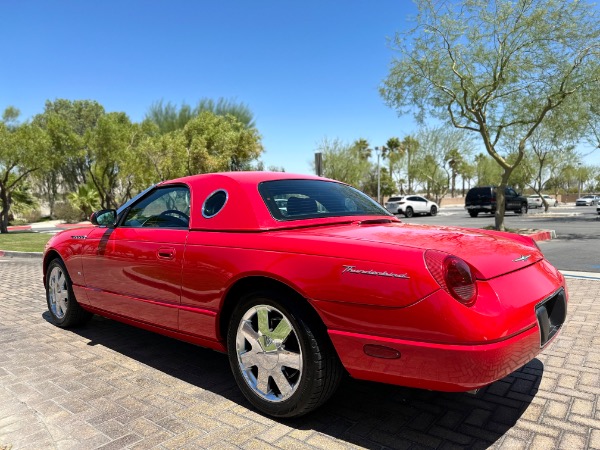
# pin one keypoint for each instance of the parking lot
(112, 386)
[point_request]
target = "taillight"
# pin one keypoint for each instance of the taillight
(453, 274)
(401, 203)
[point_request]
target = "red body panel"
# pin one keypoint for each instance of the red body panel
(368, 282)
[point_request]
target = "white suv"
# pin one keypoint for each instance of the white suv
(409, 205)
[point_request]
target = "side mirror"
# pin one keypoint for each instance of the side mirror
(104, 217)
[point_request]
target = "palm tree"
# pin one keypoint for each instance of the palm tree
(362, 147)
(86, 199)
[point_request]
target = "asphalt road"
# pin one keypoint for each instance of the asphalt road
(577, 243)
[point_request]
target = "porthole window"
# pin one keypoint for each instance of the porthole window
(214, 203)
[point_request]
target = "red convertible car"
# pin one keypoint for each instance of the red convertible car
(301, 279)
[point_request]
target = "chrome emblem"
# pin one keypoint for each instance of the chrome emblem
(353, 269)
(522, 258)
(78, 237)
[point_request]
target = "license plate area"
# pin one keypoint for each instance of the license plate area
(551, 314)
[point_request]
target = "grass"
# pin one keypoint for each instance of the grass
(23, 242)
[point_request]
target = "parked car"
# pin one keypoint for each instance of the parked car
(550, 200)
(587, 200)
(483, 199)
(337, 285)
(534, 201)
(409, 205)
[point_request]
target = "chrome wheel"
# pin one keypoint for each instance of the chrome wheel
(269, 353)
(58, 292)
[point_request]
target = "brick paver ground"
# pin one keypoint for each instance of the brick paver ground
(112, 386)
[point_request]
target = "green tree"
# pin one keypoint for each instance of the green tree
(107, 148)
(169, 117)
(433, 166)
(550, 151)
(22, 151)
(387, 186)
(207, 143)
(85, 199)
(362, 148)
(411, 147)
(394, 152)
(66, 123)
(487, 172)
(494, 66)
(342, 162)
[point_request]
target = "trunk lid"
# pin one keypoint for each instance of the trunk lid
(491, 253)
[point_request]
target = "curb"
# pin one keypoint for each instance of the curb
(543, 235)
(19, 228)
(11, 254)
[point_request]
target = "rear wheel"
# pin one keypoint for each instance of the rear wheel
(473, 213)
(433, 210)
(62, 305)
(408, 212)
(523, 209)
(283, 363)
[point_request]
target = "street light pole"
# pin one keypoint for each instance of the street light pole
(578, 180)
(378, 177)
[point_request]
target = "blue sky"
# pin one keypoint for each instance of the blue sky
(307, 70)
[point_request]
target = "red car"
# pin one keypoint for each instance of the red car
(300, 278)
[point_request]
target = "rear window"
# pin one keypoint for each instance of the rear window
(485, 192)
(308, 199)
(394, 199)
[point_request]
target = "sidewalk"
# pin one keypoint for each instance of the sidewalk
(109, 385)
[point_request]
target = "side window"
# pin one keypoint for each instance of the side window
(167, 207)
(510, 192)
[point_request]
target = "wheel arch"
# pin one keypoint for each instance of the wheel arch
(48, 257)
(255, 283)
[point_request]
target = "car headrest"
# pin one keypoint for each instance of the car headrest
(297, 206)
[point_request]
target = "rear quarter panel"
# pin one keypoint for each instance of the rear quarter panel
(215, 261)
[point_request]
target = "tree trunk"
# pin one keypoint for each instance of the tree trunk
(4, 211)
(500, 203)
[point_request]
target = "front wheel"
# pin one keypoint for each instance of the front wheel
(283, 363)
(408, 212)
(62, 305)
(433, 211)
(473, 213)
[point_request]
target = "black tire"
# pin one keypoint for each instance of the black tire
(408, 212)
(473, 213)
(309, 385)
(62, 304)
(523, 209)
(433, 211)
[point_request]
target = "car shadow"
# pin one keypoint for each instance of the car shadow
(366, 414)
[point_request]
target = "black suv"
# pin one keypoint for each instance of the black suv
(483, 199)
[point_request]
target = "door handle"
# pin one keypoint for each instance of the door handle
(165, 253)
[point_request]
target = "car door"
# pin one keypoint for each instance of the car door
(512, 200)
(134, 269)
(419, 204)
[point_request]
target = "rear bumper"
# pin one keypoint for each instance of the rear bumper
(479, 207)
(440, 367)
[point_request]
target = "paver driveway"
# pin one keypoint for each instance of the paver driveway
(109, 385)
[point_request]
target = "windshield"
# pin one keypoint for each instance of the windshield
(309, 199)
